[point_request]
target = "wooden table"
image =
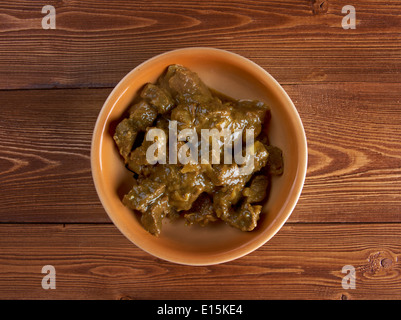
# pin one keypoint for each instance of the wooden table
(345, 83)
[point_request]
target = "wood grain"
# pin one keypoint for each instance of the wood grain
(97, 262)
(354, 142)
(353, 133)
(96, 43)
(344, 83)
(45, 143)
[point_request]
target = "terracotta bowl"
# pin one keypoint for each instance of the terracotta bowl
(234, 76)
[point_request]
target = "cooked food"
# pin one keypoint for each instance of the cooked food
(209, 185)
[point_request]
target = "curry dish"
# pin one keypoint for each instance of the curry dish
(201, 193)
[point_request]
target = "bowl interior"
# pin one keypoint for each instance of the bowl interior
(239, 78)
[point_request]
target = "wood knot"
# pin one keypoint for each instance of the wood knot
(380, 264)
(386, 262)
(320, 6)
(345, 296)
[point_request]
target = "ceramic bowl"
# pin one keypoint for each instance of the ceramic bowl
(234, 76)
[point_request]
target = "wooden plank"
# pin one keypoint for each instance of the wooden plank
(353, 137)
(45, 155)
(301, 262)
(354, 160)
(96, 43)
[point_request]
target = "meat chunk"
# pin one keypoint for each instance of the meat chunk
(257, 190)
(245, 217)
(142, 115)
(158, 97)
(137, 161)
(125, 136)
(201, 212)
(253, 113)
(142, 195)
(152, 219)
(186, 85)
(256, 158)
(275, 160)
(184, 114)
(225, 174)
(225, 198)
(185, 188)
